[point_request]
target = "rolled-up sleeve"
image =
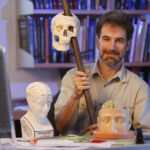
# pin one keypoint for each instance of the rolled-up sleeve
(141, 116)
(66, 91)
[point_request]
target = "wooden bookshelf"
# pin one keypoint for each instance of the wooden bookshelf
(137, 64)
(27, 61)
(88, 12)
(71, 65)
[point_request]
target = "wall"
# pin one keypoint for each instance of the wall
(20, 78)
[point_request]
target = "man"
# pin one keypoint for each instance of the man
(106, 79)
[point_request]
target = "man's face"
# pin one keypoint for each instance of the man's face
(112, 44)
(113, 120)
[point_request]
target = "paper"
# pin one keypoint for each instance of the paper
(60, 144)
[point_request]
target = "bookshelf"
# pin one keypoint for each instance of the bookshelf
(27, 61)
(88, 12)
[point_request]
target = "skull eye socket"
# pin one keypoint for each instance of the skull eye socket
(56, 38)
(59, 28)
(71, 28)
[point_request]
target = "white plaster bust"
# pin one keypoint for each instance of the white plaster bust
(112, 119)
(34, 124)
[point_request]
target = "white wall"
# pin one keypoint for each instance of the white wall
(20, 78)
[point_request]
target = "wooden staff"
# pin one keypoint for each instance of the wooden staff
(80, 67)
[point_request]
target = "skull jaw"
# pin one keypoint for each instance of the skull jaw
(61, 46)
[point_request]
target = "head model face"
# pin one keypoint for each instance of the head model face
(113, 120)
(39, 97)
(63, 29)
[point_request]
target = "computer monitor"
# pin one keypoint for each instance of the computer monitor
(6, 119)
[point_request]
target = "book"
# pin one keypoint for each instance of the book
(118, 4)
(110, 5)
(46, 4)
(54, 4)
(70, 3)
(143, 39)
(93, 4)
(37, 4)
(97, 2)
(127, 4)
(23, 33)
(102, 4)
(75, 4)
(132, 4)
(38, 37)
(82, 37)
(59, 4)
(46, 41)
(140, 25)
(53, 54)
(42, 40)
(132, 47)
(147, 45)
(88, 4)
(41, 4)
(82, 5)
(50, 4)
(91, 35)
(148, 5)
(140, 41)
(35, 40)
(31, 31)
(143, 4)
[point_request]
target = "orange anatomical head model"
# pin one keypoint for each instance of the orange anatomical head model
(113, 119)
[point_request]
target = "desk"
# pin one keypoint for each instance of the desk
(79, 146)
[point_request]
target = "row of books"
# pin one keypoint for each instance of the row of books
(92, 4)
(140, 43)
(36, 39)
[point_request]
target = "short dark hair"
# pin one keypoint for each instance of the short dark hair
(118, 18)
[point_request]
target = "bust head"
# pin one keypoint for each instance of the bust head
(39, 97)
(113, 120)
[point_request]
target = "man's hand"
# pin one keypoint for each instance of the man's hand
(92, 127)
(82, 82)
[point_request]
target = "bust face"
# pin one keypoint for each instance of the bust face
(39, 97)
(113, 120)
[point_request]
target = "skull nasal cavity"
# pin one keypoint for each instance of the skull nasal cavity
(65, 33)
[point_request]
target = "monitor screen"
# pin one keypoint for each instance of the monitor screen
(5, 101)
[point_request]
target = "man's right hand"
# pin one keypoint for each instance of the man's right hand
(82, 82)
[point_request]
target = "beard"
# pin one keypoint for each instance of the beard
(111, 60)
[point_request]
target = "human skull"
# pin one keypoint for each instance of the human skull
(63, 29)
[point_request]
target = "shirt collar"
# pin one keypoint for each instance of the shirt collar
(95, 70)
(121, 74)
